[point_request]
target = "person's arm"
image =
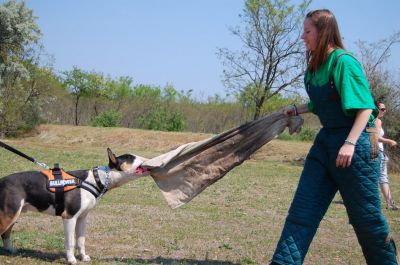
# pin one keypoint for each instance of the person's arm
(293, 110)
(346, 152)
(378, 124)
(388, 141)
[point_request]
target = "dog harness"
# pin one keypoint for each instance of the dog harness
(59, 182)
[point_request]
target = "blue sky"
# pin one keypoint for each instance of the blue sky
(159, 42)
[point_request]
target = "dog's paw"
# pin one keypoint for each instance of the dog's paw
(85, 258)
(8, 246)
(72, 261)
(11, 250)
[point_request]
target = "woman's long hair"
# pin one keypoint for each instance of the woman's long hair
(328, 34)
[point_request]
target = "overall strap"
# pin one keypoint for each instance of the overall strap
(335, 62)
(331, 81)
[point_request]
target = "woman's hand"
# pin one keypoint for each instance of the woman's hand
(346, 152)
(392, 143)
(345, 155)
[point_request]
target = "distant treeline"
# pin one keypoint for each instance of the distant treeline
(88, 98)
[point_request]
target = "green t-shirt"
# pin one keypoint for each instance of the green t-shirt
(350, 82)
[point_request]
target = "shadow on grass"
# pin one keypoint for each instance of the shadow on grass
(36, 254)
(53, 257)
(169, 261)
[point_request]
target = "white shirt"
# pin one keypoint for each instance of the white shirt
(382, 132)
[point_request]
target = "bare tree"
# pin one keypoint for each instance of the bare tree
(272, 56)
(374, 57)
(385, 85)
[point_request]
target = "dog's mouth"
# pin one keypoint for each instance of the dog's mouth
(141, 170)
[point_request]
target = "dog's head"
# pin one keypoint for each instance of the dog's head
(127, 163)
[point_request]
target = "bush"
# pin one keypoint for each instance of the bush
(107, 119)
(163, 120)
(306, 134)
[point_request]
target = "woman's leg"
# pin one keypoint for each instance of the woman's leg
(385, 189)
(358, 186)
(384, 184)
(384, 180)
(312, 198)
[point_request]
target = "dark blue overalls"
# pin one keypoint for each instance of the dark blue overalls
(321, 179)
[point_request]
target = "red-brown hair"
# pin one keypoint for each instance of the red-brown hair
(328, 35)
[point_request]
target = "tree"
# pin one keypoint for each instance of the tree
(39, 91)
(80, 84)
(19, 34)
(373, 57)
(271, 59)
(385, 85)
(119, 90)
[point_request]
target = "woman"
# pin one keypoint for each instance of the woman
(384, 178)
(341, 158)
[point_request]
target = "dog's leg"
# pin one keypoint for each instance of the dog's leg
(69, 242)
(6, 224)
(80, 237)
(7, 244)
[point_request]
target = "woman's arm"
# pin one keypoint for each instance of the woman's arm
(346, 152)
(378, 124)
(388, 141)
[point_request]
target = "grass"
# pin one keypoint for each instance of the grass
(237, 220)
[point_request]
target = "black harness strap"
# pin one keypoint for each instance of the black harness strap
(59, 194)
(97, 179)
(90, 188)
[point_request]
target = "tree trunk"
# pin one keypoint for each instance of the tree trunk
(76, 111)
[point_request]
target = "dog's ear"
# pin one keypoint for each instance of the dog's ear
(111, 157)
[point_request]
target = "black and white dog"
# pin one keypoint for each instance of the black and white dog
(20, 192)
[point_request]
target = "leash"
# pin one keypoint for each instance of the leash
(15, 151)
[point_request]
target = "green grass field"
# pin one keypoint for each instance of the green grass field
(237, 220)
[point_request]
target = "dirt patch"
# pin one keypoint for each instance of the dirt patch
(64, 135)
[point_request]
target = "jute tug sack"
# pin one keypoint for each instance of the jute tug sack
(186, 171)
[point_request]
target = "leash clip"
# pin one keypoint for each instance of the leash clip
(40, 164)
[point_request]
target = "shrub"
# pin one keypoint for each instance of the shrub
(107, 119)
(163, 120)
(306, 134)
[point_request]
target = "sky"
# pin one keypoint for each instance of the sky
(161, 42)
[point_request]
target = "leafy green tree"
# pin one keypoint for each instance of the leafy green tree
(19, 34)
(119, 90)
(40, 90)
(162, 112)
(81, 84)
(271, 59)
(96, 89)
(146, 92)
